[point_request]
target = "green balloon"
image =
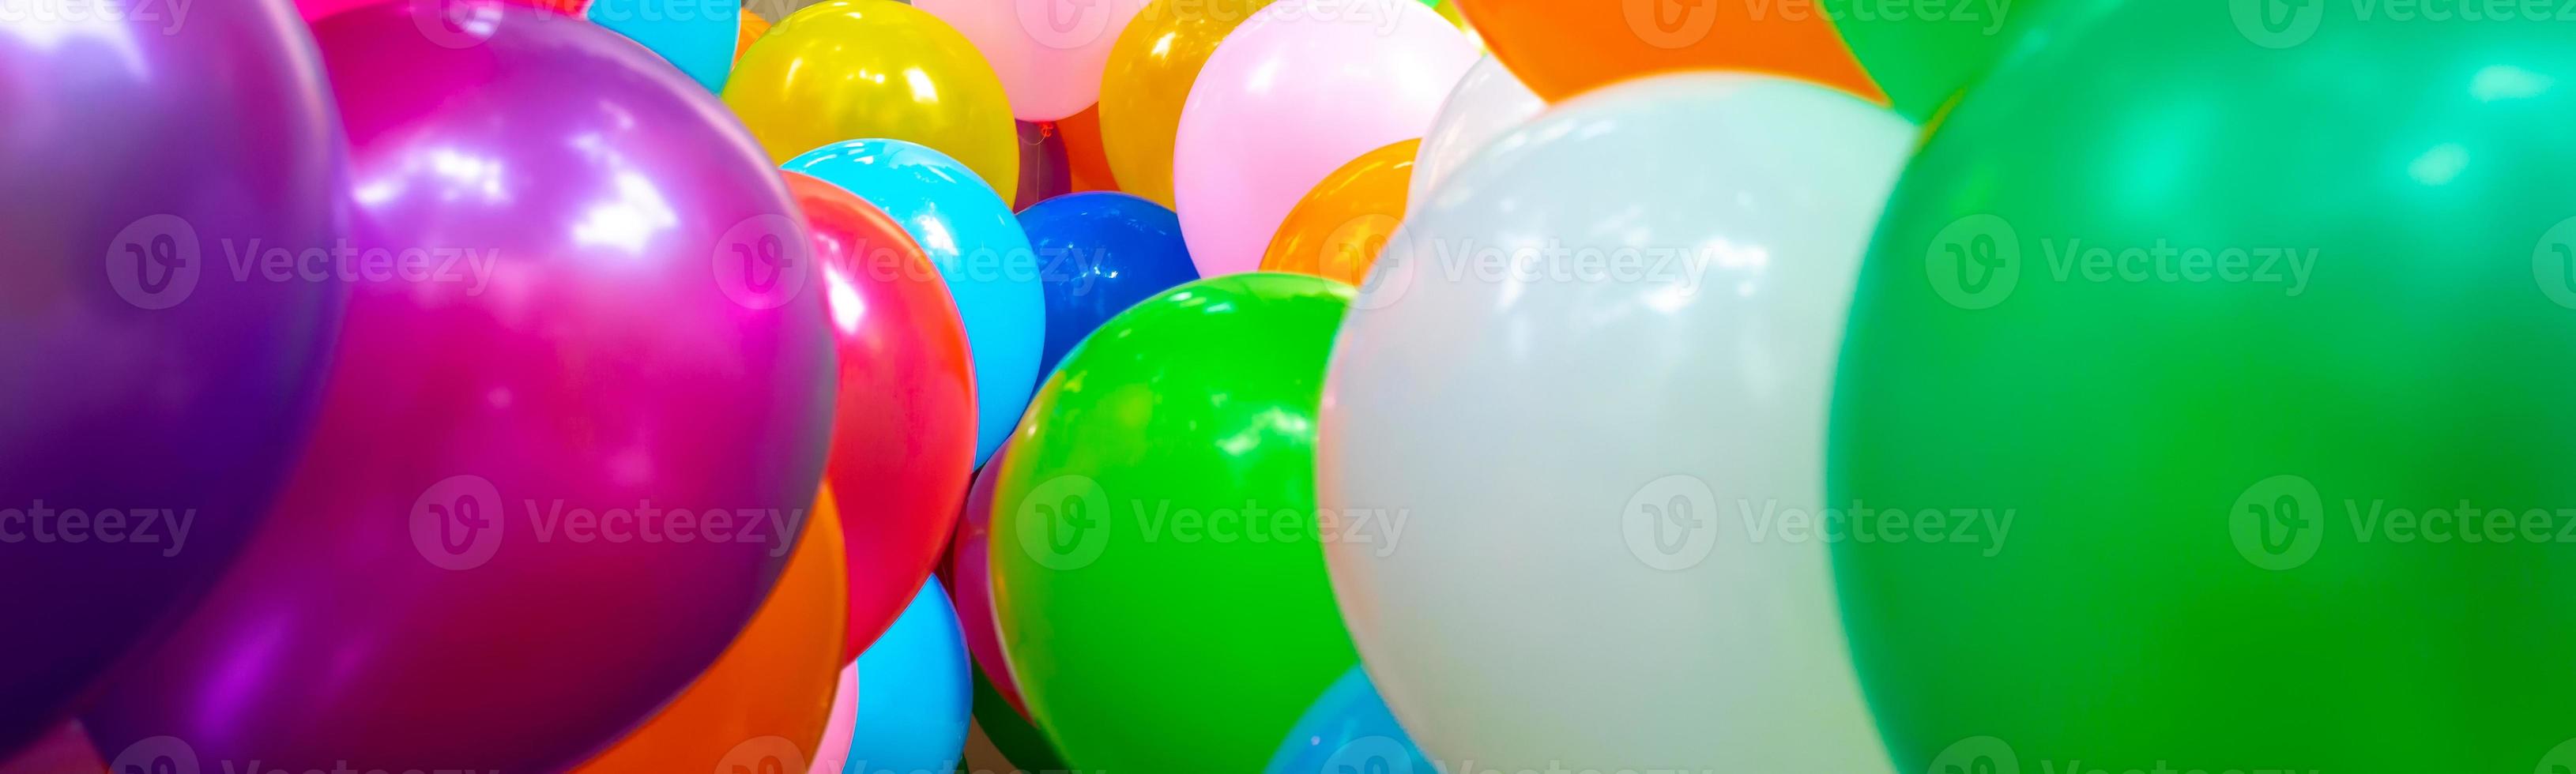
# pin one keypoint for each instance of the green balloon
(2257, 320)
(1922, 53)
(1011, 735)
(1157, 570)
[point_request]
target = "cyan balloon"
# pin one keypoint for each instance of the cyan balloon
(970, 234)
(1348, 729)
(916, 692)
(697, 36)
(1099, 253)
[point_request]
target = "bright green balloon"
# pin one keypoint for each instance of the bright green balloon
(1157, 570)
(1923, 51)
(2334, 284)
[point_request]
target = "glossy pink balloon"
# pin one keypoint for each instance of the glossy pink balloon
(560, 459)
(969, 578)
(1050, 53)
(1300, 89)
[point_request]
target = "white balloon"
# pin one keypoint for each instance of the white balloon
(1585, 397)
(1487, 102)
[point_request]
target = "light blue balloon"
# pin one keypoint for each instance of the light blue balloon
(697, 36)
(1347, 731)
(916, 692)
(971, 235)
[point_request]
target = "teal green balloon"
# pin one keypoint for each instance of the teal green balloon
(1158, 566)
(1922, 52)
(2215, 363)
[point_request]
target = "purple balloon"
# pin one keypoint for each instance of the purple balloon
(563, 455)
(150, 398)
(1044, 173)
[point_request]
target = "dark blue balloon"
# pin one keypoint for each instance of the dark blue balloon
(1348, 730)
(1099, 253)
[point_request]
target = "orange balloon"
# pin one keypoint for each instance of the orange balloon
(1150, 71)
(1083, 153)
(752, 28)
(1338, 229)
(767, 697)
(1561, 48)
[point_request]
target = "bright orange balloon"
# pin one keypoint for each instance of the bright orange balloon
(1565, 47)
(1337, 230)
(752, 28)
(1150, 71)
(768, 696)
(1083, 153)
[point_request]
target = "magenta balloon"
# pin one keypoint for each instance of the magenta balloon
(483, 562)
(150, 400)
(970, 582)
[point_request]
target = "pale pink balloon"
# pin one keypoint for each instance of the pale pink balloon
(1050, 53)
(832, 755)
(1302, 88)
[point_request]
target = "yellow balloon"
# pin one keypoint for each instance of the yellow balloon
(1149, 75)
(859, 69)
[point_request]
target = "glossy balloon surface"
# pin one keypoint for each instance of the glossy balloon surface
(1590, 375)
(1156, 573)
(154, 398)
(597, 426)
(2258, 344)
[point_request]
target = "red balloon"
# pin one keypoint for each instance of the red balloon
(903, 437)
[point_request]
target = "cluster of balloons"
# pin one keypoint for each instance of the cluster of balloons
(1292, 386)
